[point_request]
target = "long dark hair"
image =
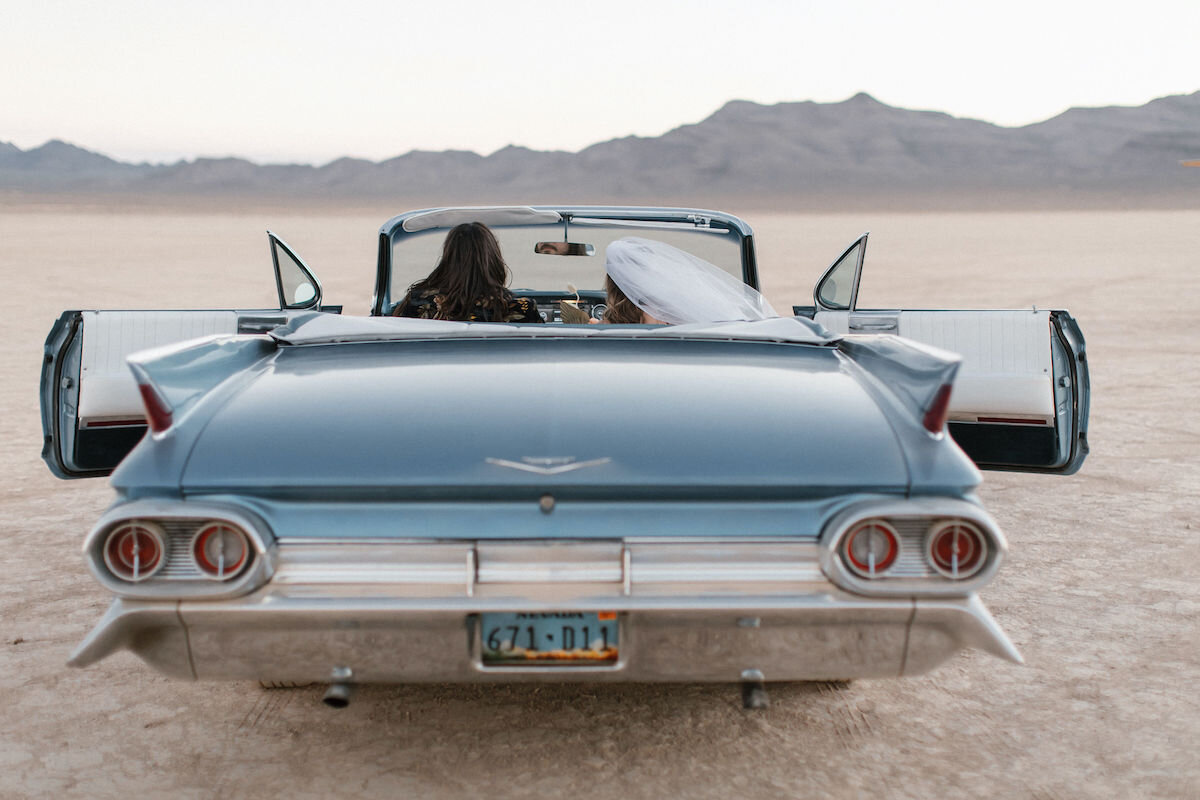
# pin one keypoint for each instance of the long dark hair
(471, 274)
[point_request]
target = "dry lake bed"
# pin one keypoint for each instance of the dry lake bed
(1101, 591)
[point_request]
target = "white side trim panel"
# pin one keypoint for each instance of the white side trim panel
(990, 342)
(1006, 369)
(107, 390)
(835, 321)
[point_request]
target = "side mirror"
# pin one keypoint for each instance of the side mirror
(838, 288)
(304, 294)
(298, 288)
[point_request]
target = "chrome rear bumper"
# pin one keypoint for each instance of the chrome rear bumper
(396, 612)
(274, 635)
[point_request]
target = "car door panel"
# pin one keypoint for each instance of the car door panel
(92, 411)
(1020, 399)
(1015, 437)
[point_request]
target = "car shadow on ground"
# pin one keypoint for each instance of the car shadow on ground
(517, 733)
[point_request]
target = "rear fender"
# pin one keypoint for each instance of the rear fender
(914, 374)
(180, 374)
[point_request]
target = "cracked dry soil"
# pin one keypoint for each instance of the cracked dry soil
(1100, 591)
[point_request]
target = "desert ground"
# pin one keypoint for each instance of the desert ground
(1101, 591)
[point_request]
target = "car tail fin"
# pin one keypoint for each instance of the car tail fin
(919, 376)
(172, 378)
(159, 413)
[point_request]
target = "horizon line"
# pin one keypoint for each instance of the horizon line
(315, 164)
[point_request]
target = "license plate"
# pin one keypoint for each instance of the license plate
(583, 638)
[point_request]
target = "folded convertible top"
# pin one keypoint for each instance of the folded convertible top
(321, 328)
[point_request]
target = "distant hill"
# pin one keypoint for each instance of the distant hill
(858, 151)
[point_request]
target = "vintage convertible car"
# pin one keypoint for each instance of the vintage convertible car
(343, 500)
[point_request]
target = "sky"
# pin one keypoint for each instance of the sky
(309, 82)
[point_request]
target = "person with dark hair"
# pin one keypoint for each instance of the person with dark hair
(469, 283)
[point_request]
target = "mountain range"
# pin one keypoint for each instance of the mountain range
(858, 151)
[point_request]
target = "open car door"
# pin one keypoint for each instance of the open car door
(92, 411)
(1021, 398)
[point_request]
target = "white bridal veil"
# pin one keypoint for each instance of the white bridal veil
(677, 287)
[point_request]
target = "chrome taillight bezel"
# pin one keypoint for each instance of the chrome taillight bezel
(113, 540)
(173, 578)
(952, 571)
(219, 572)
(919, 515)
(871, 570)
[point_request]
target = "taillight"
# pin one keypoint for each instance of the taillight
(938, 410)
(134, 551)
(158, 412)
(871, 547)
(956, 548)
(220, 550)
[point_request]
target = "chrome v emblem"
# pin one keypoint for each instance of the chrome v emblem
(547, 466)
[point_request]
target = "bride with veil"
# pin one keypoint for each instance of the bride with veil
(673, 286)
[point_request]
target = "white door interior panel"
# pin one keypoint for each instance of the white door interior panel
(1020, 401)
(107, 391)
(1006, 369)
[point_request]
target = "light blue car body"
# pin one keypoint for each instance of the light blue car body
(399, 480)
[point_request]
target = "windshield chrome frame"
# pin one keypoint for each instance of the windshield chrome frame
(392, 231)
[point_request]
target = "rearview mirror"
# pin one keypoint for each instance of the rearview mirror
(564, 249)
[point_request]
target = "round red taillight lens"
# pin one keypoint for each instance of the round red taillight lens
(135, 551)
(220, 550)
(871, 547)
(956, 548)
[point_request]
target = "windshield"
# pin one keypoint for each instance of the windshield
(414, 255)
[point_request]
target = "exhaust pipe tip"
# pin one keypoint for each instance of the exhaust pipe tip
(337, 695)
(754, 690)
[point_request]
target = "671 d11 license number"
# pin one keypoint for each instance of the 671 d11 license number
(557, 638)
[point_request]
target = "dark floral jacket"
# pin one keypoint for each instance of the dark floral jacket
(424, 304)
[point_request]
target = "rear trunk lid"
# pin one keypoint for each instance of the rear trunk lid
(509, 418)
